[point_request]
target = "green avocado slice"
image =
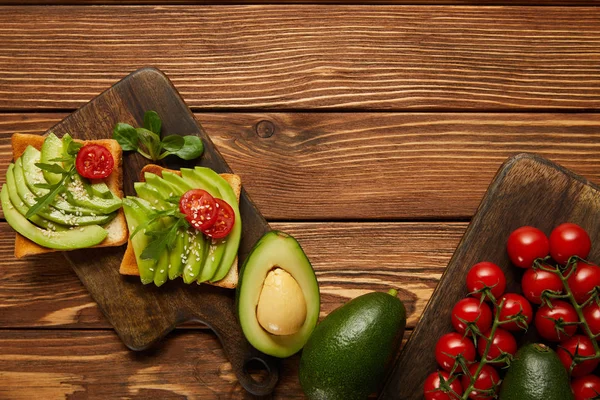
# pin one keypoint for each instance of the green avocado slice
(33, 175)
(51, 148)
(276, 249)
(233, 239)
(50, 213)
(22, 208)
(85, 236)
(216, 247)
(136, 213)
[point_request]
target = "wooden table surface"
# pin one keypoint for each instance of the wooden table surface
(369, 132)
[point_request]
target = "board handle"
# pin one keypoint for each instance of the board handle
(246, 361)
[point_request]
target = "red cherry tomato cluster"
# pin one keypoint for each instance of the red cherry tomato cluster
(560, 299)
(478, 337)
(213, 217)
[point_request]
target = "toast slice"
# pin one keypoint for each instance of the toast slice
(117, 228)
(129, 264)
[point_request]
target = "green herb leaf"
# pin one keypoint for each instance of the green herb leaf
(126, 135)
(162, 240)
(147, 141)
(151, 142)
(73, 147)
(54, 168)
(45, 200)
(44, 186)
(172, 143)
(61, 159)
(152, 121)
(192, 148)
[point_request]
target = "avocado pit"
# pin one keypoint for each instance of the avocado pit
(281, 308)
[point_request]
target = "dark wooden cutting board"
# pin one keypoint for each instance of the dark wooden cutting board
(142, 315)
(527, 190)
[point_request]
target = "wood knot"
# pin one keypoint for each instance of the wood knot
(265, 129)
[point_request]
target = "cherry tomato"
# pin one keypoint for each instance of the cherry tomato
(485, 274)
(546, 317)
(471, 310)
(487, 379)
(451, 345)
(567, 240)
(94, 161)
(502, 342)
(525, 244)
(224, 223)
(586, 387)
(583, 281)
(432, 384)
(534, 282)
(199, 208)
(577, 345)
(513, 305)
(591, 313)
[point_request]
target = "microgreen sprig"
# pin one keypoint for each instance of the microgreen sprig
(163, 238)
(147, 140)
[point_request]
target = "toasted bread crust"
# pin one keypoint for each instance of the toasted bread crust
(129, 263)
(117, 228)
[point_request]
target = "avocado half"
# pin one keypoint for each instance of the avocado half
(276, 250)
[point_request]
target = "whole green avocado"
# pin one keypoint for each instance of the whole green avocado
(347, 354)
(536, 373)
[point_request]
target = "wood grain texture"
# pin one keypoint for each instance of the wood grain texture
(188, 365)
(308, 57)
(322, 2)
(350, 259)
(405, 166)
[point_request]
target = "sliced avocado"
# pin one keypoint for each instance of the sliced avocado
(33, 175)
(166, 189)
(200, 181)
(77, 238)
(176, 181)
(233, 239)
(100, 189)
(536, 373)
(175, 255)
(22, 208)
(197, 251)
(162, 269)
(348, 352)
(276, 250)
(216, 247)
(50, 213)
(136, 213)
(151, 195)
(216, 250)
(51, 148)
(78, 195)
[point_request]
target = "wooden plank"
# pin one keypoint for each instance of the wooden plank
(249, 2)
(374, 165)
(186, 365)
(308, 2)
(350, 259)
(308, 57)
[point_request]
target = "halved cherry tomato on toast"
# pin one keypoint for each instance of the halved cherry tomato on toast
(199, 207)
(224, 221)
(94, 161)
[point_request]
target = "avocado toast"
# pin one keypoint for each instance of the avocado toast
(109, 231)
(215, 260)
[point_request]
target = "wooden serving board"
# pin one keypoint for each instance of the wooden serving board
(527, 190)
(142, 315)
